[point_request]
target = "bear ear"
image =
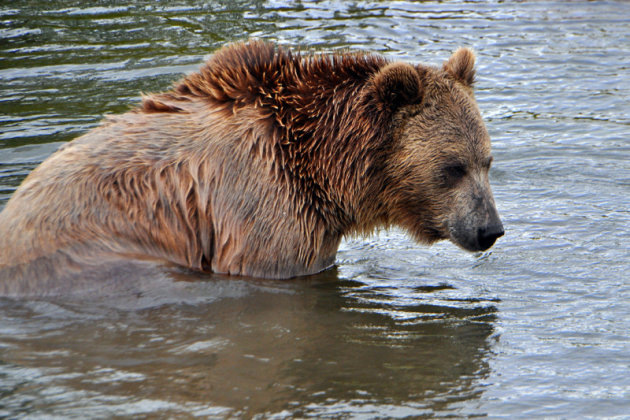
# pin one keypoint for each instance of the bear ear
(461, 66)
(398, 84)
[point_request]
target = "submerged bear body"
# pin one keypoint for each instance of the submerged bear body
(258, 165)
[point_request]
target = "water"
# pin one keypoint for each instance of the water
(538, 327)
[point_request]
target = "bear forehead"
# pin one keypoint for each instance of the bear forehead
(447, 123)
(449, 115)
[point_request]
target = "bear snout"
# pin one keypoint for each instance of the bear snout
(475, 235)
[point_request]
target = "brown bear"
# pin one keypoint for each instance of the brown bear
(258, 165)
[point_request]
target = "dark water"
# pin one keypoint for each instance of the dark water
(538, 327)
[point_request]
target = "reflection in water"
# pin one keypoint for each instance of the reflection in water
(311, 347)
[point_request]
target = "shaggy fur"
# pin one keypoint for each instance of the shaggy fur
(256, 165)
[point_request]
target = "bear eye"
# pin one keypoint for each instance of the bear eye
(453, 173)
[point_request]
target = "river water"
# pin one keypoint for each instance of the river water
(537, 327)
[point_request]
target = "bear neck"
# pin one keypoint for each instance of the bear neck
(330, 130)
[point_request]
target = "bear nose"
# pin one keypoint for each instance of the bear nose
(486, 236)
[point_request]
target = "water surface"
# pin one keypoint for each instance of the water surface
(538, 327)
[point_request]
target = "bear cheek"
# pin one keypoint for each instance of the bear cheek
(429, 207)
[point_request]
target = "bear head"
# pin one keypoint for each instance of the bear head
(437, 173)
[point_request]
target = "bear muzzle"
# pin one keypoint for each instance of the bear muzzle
(476, 228)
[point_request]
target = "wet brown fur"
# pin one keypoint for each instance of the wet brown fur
(257, 165)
